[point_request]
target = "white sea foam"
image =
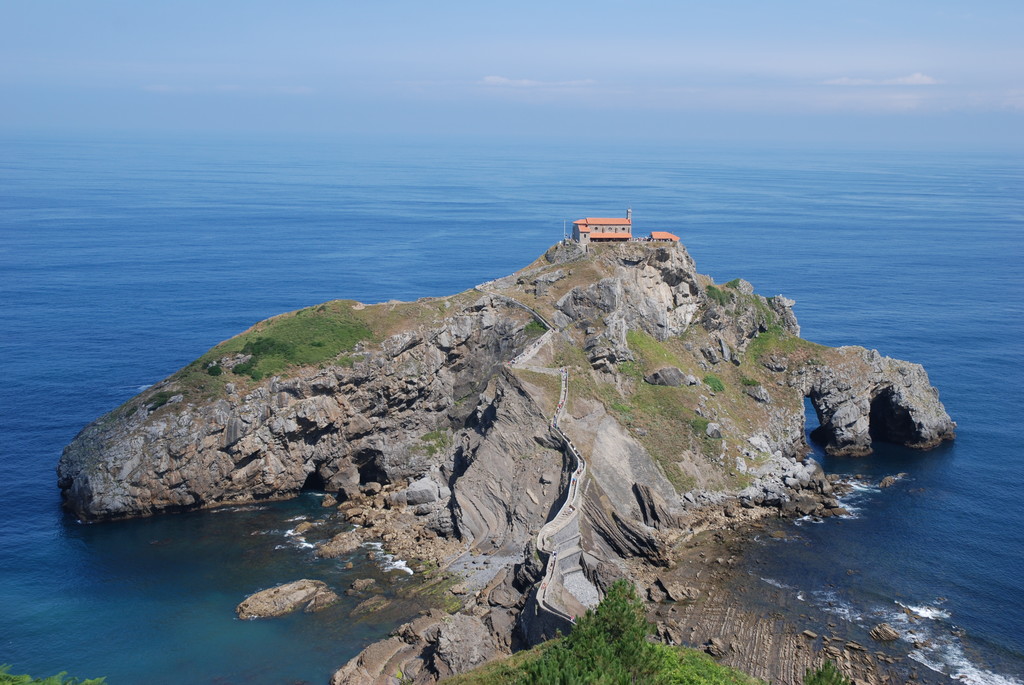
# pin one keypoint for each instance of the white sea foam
(143, 387)
(830, 602)
(388, 562)
(926, 611)
(801, 596)
(296, 518)
(398, 565)
(808, 519)
(775, 583)
(947, 656)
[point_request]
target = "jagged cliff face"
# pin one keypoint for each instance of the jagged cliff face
(431, 410)
(334, 427)
(684, 398)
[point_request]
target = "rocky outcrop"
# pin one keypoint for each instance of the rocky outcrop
(863, 396)
(336, 426)
(309, 595)
(339, 427)
(427, 436)
(883, 632)
(430, 648)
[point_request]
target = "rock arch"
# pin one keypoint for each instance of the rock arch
(864, 397)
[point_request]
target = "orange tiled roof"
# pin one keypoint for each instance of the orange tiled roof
(604, 222)
(662, 235)
(607, 236)
(582, 228)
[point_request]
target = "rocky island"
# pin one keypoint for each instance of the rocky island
(543, 435)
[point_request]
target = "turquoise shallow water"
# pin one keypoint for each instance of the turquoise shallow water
(121, 261)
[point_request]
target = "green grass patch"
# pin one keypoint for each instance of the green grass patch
(308, 337)
(734, 283)
(749, 382)
(436, 442)
(620, 407)
(700, 425)
(718, 295)
(775, 340)
(714, 382)
(651, 354)
(632, 369)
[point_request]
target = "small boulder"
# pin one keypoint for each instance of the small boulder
(678, 592)
(758, 393)
(362, 584)
(422, 491)
(329, 501)
(715, 647)
(670, 376)
(884, 632)
(303, 527)
(340, 544)
(714, 430)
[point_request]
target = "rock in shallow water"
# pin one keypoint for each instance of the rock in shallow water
(311, 595)
(884, 632)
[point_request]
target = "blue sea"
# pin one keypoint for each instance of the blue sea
(121, 260)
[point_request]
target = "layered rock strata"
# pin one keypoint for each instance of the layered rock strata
(686, 400)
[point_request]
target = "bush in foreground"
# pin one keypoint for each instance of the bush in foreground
(7, 678)
(609, 646)
(826, 674)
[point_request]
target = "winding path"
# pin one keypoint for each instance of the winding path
(564, 590)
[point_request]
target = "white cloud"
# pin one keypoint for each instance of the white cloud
(228, 88)
(915, 79)
(503, 82)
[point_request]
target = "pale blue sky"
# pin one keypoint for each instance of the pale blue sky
(895, 71)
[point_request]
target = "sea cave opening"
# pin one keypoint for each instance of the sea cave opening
(314, 483)
(888, 420)
(367, 461)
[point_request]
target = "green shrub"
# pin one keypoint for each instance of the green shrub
(7, 678)
(214, 370)
(734, 283)
(827, 674)
(714, 382)
(749, 382)
(534, 328)
(609, 646)
(159, 399)
(718, 295)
